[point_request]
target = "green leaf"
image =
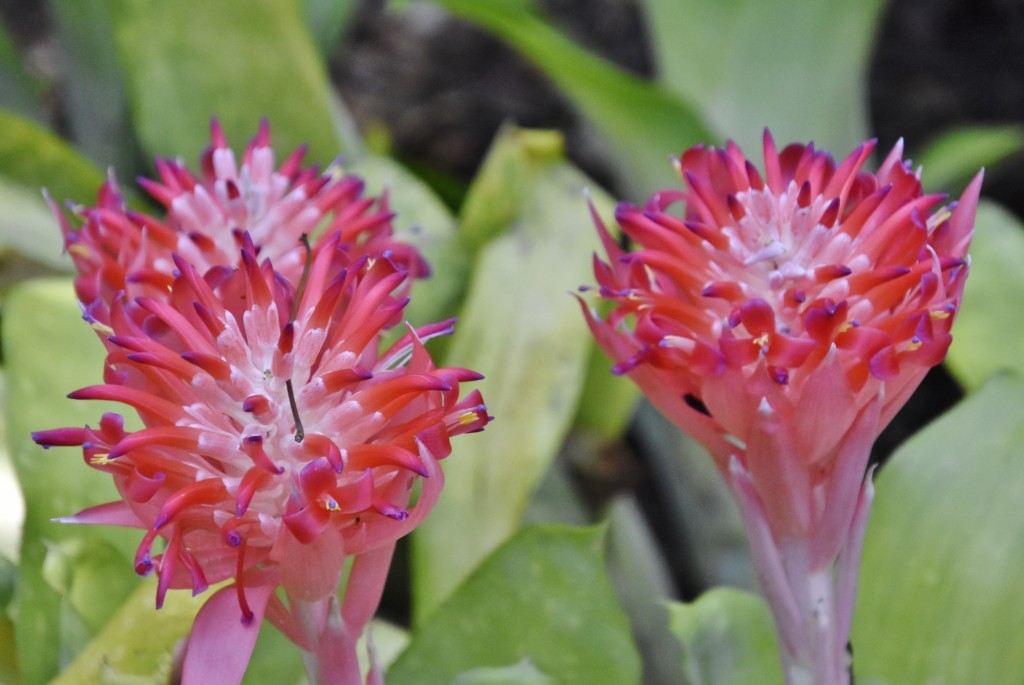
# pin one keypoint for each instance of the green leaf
(28, 227)
(797, 67)
(544, 596)
(520, 328)
(523, 673)
(517, 160)
(34, 158)
(941, 573)
(607, 401)
(137, 646)
(422, 219)
(327, 20)
(237, 59)
(988, 330)
(8, 653)
(727, 637)
(643, 123)
(951, 160)
(48, 352)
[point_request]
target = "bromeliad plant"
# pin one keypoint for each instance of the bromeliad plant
(280, 440)
(941, 558)
(782, 319)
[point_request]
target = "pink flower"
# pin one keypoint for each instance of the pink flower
(278, 438)
(782, 320)
(117, 249)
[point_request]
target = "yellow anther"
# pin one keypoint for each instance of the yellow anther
(939, 218)
(468, 417)
(913, 344)
(939, 314)
(100, 460)
(80, 250)
(102, 328)
(762, 340)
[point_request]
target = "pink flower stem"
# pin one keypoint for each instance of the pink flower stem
(332, 629)
(812, 608)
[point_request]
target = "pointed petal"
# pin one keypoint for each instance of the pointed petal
(109, 514)
(221, 643)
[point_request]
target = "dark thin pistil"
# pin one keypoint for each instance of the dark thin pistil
(304, 239)
(300, 433)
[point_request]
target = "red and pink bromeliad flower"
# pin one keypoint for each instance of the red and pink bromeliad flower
(279, 440)
(117, 249)
(782, 319)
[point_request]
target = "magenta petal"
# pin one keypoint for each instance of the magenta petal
(218, 650)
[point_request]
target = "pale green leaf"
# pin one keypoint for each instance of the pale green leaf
(941, 581)
(988, 332)
(423, 220)
(951, 160)
(797, 67)
(727, 637)
(239, 60)
(544, 596)
(28, 227)
(137, 646)
(517, 159)
(521, 328)
(523, 673)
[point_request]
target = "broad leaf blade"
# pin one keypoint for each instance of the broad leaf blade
(520, 328)
(727, 637)
(544, 596)
(29, 229)
(796, 67)
(424, 221)
(137, 646)
(988, 330)
(239, 60)
(954, 158)
(941, 573)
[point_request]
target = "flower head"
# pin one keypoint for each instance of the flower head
(280, 436)
(263, 429)
(118, 249)
(782, 318)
